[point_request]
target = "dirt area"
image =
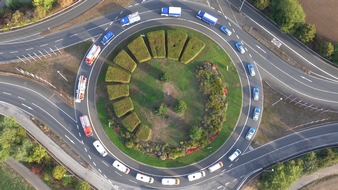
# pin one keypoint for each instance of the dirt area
(324, 15)
(103, 8)
(252, 185)
(58, 72)
(282, 117)
(326, 183)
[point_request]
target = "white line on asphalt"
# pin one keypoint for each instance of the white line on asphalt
(31, 56)
(230, 165)
(111, 23)
(116, 17)
(69, 139)
(21, 98)
(227, 183)
(261, 49)
(246, 49)
(89, 157)
(105, 163)
(73, 35)
(250, 55)
(136, 4)
(26, 58)
(37, 56)
(121, 12)
(79, 134)
(99, 170)
(219, 187)
(42, 54)
(58, 40)
(48, 53)
(94, 163)
(130, 6)
(133, 181)
(105, 176)
(13, 52)
(212, 7)
(237, 36)
(29, 49)
(118, 173)
(208, 3)
(43, 45)
(224, 170)
(7, 93)
(77, 126)
(52, 51)
(229, 23)
(106, 29)
(234, 180)
(1, 53)
(82, 142)
(58, 49)
(219, 12)
(27, 106)
(85, 149)
(233, 30)
(21, 59)
(306, 78)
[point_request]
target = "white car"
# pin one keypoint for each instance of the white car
(240, 47)
(196, 176)
(250, 133)
(118, 165)
(144, 178)
(234, 155)
(256, 113)
(170, 181)
(215, 167)
(100, 148)
(251, 69)
(255, 92)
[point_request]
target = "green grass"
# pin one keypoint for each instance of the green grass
(115, 74)
(123, 106)
(131, 121)
(117, 91)
(11, 180)
(143, 133)
(193, 48)
(139, 49)
(125, 61)
(175, 43)
(157, 43)
(213, 53)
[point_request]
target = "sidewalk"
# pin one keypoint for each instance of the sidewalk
(23, 171)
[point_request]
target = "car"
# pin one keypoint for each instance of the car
(256, 113)
(100, 148)
(240, 47)
(255, 92)
(144, 178)
(250, 133)
(108, 36)
(226, 30)
(170, 181)
(251, 69)
(234, 155)
(215, 167)
(196, 176)
(118, 165)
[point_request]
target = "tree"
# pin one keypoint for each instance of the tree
(195, 133)
(46, 4)
(38, 154)
(261, 4)
(310, 163)
(287, 13)
(21, 153)
(162, 110)
(325, 48)
(58, 172)
(40, 12)
(305, 32)
(180, 106)
(82, 185)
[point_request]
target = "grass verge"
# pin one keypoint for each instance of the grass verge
(9, 179)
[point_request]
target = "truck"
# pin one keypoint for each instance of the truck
(171, 11)
(81, 88)
(92, 54)
(87, 128)
(206, 17)
(130, 19)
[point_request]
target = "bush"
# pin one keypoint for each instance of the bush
(117, 91)
(139, 50)
(164, 77)
(143, 133)
(195, 133)
(66, 181)
(123, 106)
(58, 172)
(175, 43)
(157, 43)
(261, 4)
(46, 176)
(125, 61)
(82, 185)
(193, 48)
(180, 106)
(305, 32)
(115, 74)
(162, 110)
(131, 121)
(325, 48)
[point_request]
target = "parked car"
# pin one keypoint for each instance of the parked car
(250, 133)
(240, 47)
(234, 155)
(255, 92)
(226, 30)
(256, 113)
(251, 70)
(196, 176)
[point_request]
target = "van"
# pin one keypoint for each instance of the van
(170, 181)
(196, 176)
(144, 178)
(100, 148)
(118, 165)
(215, 167)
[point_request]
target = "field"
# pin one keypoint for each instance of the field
(324, 15)
(11, 180)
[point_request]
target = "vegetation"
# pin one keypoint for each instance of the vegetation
(162, 110)
(192, 49)
(59, 172)
(117, 91)
(325, 48)
(175, 43)
(125, 61)
(164, 77)
(115, 74)
(123, 106)
(82, 185)
(305, 32)
(157, 43)
(131, 121)
(180, 106)
(139, 49)
(143, 133)
(11, 180)
(261, 4)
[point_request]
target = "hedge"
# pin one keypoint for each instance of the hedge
(157, 43)
(117, 91)
(192, 49)
(125, 61)
(115, 74)
(175, 41)
(139, 49)
(143, 133)
(123, 106)
(131, 121)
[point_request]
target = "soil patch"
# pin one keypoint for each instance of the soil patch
(326, 183)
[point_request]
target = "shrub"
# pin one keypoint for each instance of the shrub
(180, 106)
(82, 185)
(162, 110)
(131, 121)
(123, 106)
(305, 32)
(195, 133)
(117, 91)
(164, 77)
(261, 4)
(175, 43)
(325, 48)
(115, 74)
(157, 43)
(66, 181)
(139, 50)
(46, 177)
(58, 172)
(193, 48)
(125, 61)
(143, 133)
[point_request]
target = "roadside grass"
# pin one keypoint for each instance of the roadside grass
(9, 179)
(328, 182)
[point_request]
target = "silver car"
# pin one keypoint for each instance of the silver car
(256, 113)
(255, 93)
(250, 133)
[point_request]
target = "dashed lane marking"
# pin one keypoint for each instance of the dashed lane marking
(73, 35)
(21, 98)
(94, 163)
(27, 106)
(6, 93)
(89, 157)
(44, 45)
(58, 40)
(85, 149)
(99, 170)
(118, 173)
(105, 163)
(29, 49)
(13, 52)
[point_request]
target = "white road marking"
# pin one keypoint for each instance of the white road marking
(27, 106)
(234, 180)
(219, 12)
(133, 181)
(6, 93)
(116, 17)
(99, 170)
(105, 163)
(42, 54)
(233, 30)
(227, 183)
(229, 23)
(21, 59)
(44, 45)
(250, 55)
(77, 126)
(37, 56)
(230, 165)
(89, 157)
(94, 163)
(121, 12)
(48, 53)
(118, 173)
(224, 170)
(26, 58)
(136, 4)
(111, 23)
(73, 35)
(260, 49)
(306, 78)
(31, 56)
(246, 49)
(1, 53)
(79, 134)
(13, 52)
(219, 187)
(52, 51)
(106, 29)
(85, 149)
(82, 142)
(212, 7)
(208, 3)
(21, 98)
(69, 139)
(58, 49)
(237, 36)
(58, 40)
(29, 49)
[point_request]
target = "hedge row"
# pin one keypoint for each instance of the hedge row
(131, 121)
(125, 61)
(115, 74)
(143, 133)
(175, 43)
(123, 106)
(156, 41)
(139, 50)
(117, 91)
(192, 49)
